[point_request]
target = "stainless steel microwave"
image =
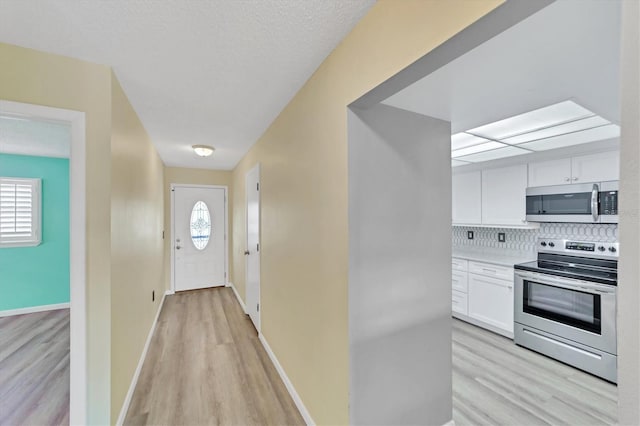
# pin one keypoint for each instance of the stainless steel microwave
(584, 202)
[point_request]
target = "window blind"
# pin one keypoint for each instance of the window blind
(19, 211)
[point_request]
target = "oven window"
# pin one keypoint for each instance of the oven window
(578, 203)
(571, 307)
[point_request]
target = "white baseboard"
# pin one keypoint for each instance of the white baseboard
(292, 391)
(22, 311)
(233, 287)
(450, 423)
(136, 374)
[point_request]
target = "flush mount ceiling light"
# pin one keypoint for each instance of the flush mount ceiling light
(554, 126)
(203, 150)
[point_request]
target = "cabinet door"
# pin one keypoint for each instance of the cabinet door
(466, 200)
(504, 195)
(552, 172)
(490, 300)
(598, 167)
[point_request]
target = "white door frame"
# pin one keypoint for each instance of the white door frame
(173, 186)
(77, 251)
(258, 253)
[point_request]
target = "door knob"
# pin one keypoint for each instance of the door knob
(178, 247)
(246, 253)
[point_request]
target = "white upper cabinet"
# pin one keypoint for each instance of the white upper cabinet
(598, 167)
(466, 198)
(504, 195)
(552, 172)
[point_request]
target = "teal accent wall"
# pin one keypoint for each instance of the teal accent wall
(36, 276)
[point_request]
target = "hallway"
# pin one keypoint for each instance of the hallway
(206, 365)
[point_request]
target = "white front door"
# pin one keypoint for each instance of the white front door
(252, 253)
(199, 237)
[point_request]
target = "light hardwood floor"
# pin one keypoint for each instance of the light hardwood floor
(206, 366)
(496, 382)
(34, 369)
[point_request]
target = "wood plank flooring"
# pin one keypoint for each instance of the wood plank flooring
(206, 366)
(496, 382)
(34, 369)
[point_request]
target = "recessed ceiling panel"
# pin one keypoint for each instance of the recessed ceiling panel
(457, 163)
(599, 133)
(541, 118)
(476, 148)
(509, 151)
(571, 127)
(463, 140)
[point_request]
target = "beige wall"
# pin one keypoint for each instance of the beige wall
(303, 157)
(34, 77)
(137, 219)
(195, 177)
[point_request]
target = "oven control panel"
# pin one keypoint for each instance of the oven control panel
(579, 248)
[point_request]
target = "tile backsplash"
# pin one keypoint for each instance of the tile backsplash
(524, 240)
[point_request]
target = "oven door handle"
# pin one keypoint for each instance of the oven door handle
(568, 283)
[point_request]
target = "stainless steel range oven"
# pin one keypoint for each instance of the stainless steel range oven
(565, 304)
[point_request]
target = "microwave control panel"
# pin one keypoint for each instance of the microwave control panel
(609, 202)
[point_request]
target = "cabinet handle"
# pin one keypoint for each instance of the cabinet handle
(567, 179)
(575, 178)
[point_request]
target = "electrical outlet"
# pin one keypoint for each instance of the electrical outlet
(153, 295)
(470, 235)
(501, 237)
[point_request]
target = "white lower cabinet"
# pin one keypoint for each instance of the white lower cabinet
(459, 289)
(482, 293)
(490, 300)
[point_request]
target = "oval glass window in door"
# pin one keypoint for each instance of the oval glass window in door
(200, 225)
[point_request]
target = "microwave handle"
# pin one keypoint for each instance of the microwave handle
(594, 202)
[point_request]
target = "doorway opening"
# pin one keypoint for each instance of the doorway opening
(497, 69)
(74, 150)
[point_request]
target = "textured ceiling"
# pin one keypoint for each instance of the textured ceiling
(31, 137)
(212, 72)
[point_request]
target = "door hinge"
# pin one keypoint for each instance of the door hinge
(258, 186)
(258, 247)
(258, 307)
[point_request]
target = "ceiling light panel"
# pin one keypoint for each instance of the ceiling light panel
(487, 146)
(463, 140)
(508, 151)
(551, 115)
(571, 127)
(456, 163)
(599, 133)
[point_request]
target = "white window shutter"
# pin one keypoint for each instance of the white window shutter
(19, 212)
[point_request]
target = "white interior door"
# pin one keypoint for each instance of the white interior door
(252, 252)
(199, 237)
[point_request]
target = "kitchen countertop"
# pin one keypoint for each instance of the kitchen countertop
(494, 257)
